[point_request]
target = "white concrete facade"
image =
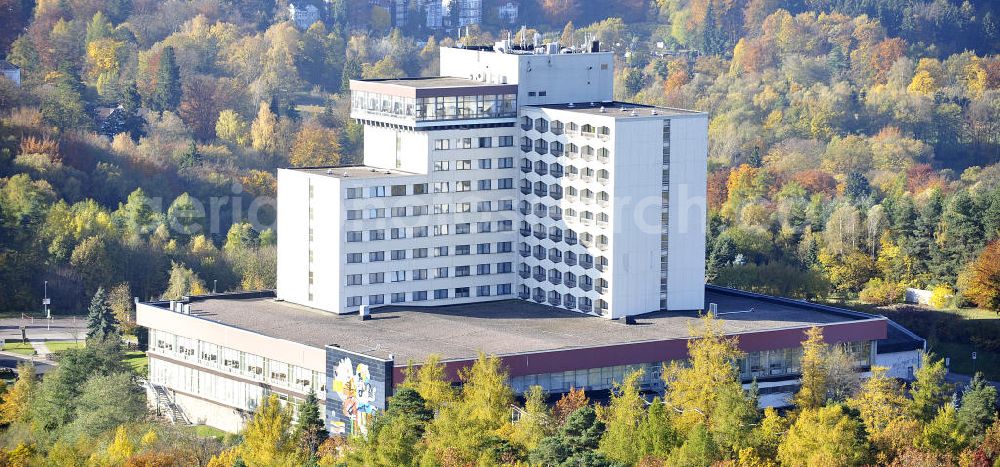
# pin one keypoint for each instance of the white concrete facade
(462, 200)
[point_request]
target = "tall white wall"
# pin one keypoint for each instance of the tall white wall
(293, 231)
(636, 186)
(576, 77)
(688, 205)
(397, 149)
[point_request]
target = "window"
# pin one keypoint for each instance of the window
(461, 292)
(441, 166)
(461, 229)
(440, 293)
(442, 145)
(485, 163)
(420, 231)
(397, 255)
(398, 190)
(420, 252)
(354, 301)
(440, 229)
(483, 269)
(505, 247)
(398, 232)
(376, 277)
(419, 295)
(354, 236)
(483, 248)
(463, 207)
(440, 273)
(398, 276)
(419, 274)
(464, 185)
(506, 205)
(376, 256)
(354, 279)
(376, 213)
(441, 187)
(531, 93)
(503, 289)
(505, 226)
(485, 142)
(354, 193)
(504, 268)
(482, 291)
(486, 184)
(505, 183)
(420, 189)
(463, 250)
(484, 206)
(376, 299)
(353, 214)
(440, 251)
(420, 210)
(399, 212)
(463, 143)
(354, 258)
(374, 235)
(483, 227)
(504, 142)
(462, 271)
(463, 165)
(399, 297)
(442, 208)
(376, 191)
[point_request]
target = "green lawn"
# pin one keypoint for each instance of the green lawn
(205, 431)
(138, 361)
(59, 346)
(956, 333)
(19, 347)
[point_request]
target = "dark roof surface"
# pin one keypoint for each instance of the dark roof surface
(501, 327)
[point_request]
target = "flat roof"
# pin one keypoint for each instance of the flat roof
(619, 109)
(352, 171)
(432, 86)
(501, 328)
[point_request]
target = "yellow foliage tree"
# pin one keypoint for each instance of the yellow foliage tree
(231, 127)
(263, 131)
(824, 436)
(430, 382)
(693, 390)
(14, 407)
(121, 448)
(315, 145)
(812, 393)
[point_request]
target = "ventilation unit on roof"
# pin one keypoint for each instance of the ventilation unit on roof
(603, 110)
(570, 105)
(345, 174)
(329, 171)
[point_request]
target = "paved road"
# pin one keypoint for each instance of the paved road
(61, 328)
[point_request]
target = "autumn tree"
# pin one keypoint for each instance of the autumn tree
(824, 436)
(15, 401)
(268, 437)
(569, 403)
(315, 145)
(264, 129)
(981, 281)
(812, 392)
(929, 391)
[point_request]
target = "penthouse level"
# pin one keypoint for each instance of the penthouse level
(218, 355)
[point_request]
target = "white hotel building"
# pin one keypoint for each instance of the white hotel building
(513, 175)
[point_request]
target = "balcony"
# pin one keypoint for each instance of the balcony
(556, 173)
(555, 258)
(587, 308)
(555, 280)
(571, 261)
(525, 211)
(525, 232)
(570, 283)
(602, 180)
(539, 234)
(556, 237)
(555, 300)
(602, 267)
(525, 190)
(523, 295)
(571, 240)
(604, 159)
(588, 156)
(540, 298)
(526, 148)
(557, 129)
(572, 175)
(526, 168)
(555, 215)
(586, 264)
(586, 286)
(524, 274)
(526, 126)
(525, 253)
(541, 169)
(541, 193)
(539, 277)
(556, 152)
(540, 255)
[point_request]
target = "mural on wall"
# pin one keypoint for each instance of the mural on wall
(359, 397)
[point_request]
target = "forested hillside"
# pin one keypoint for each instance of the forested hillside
(853, 144)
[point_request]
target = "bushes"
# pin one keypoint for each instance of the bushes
(942, 296)
(882, 292)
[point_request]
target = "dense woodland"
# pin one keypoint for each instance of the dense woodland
(854, 151)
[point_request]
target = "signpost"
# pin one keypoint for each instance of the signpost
(46, 302)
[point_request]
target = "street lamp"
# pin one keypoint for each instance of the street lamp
(46, 301)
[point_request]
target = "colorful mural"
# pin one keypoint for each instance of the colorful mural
(358, 396)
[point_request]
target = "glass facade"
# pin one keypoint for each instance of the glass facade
(428, 109)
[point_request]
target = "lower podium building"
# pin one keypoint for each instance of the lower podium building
(213, 358)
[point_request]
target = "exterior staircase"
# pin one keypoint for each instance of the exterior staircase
(166, 406)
